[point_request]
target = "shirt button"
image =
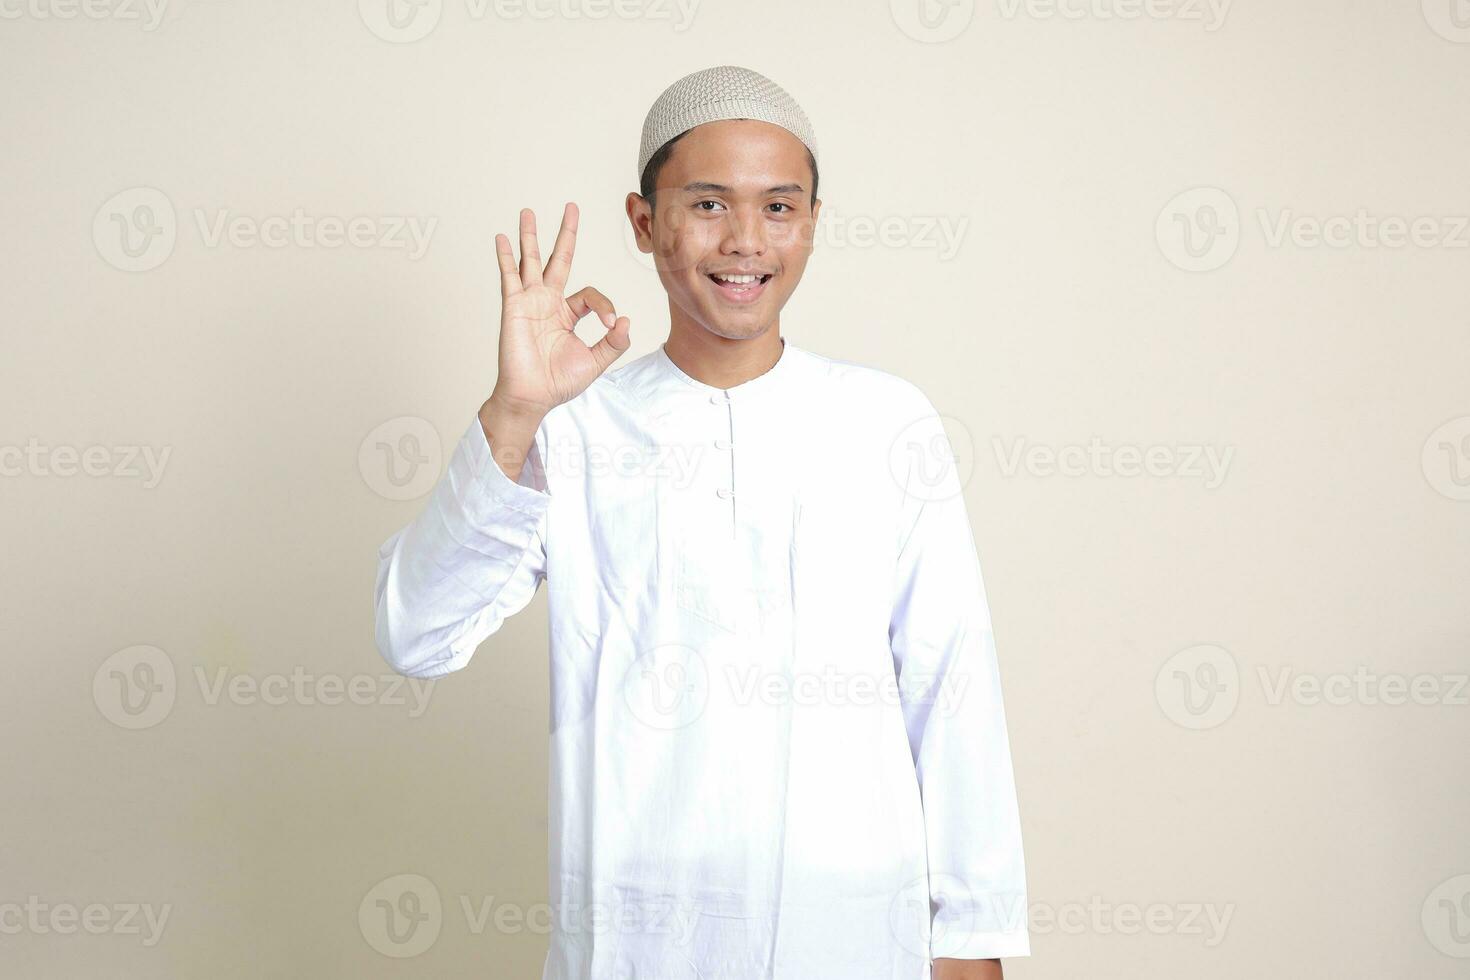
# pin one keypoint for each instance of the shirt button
(723, 444)
(726, 494)
(717, 399)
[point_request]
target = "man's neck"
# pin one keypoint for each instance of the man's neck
(719, 361)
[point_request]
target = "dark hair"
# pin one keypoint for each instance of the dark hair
(656, 163)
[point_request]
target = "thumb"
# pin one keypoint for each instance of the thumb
(613, 345)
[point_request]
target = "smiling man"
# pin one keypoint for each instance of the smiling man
(778, 746)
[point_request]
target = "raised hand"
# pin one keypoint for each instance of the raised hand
(542, 361)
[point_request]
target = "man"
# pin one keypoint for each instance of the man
(778, 743)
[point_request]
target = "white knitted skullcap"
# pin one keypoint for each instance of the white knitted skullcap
(723, 92)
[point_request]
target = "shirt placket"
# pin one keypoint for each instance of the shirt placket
(734, 518)
(704, 487)
(723, 445)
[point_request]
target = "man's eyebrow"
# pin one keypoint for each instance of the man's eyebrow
(705, 187)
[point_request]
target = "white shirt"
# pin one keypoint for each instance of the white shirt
(777, 727)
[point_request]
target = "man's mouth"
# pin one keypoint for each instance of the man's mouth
(739, 288)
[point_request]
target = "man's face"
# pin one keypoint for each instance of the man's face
(734, 197)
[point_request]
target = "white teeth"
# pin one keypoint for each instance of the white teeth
(737, 279)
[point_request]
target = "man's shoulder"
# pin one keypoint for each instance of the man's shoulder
(864, 386)
(616, 391)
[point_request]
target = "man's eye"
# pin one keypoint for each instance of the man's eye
(703, 203)
(782, 204)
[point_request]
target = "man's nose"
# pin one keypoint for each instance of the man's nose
(745, 233)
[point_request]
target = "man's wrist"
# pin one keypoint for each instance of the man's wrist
(946, 968)
(510, 407)
(510, 429)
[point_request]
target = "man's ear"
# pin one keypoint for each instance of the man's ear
(640, 216)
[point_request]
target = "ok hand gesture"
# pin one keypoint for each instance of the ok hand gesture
(542, 361)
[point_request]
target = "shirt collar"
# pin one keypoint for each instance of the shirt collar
(766, 382)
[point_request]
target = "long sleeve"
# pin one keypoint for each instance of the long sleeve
(474, 556)
(949, 683)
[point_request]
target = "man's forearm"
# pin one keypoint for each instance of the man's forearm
(950, 969)
(510, 430)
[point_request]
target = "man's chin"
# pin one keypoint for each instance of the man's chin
(739, 329)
